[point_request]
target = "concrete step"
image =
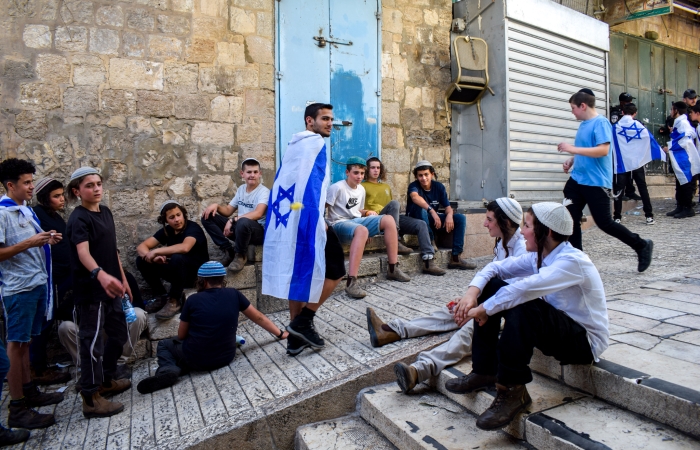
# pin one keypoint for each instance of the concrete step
(346, 433)
(426, 420)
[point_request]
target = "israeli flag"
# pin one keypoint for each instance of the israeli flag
(685, 159)
(294, 259)
(634, 145)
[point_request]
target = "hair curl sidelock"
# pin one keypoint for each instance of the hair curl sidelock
(13, 168)
(505, 224)
(541, 233)
(214, 282)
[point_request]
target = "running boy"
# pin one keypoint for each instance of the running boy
(99, 286)
(591, 177)
(354, 224)
(248, 227)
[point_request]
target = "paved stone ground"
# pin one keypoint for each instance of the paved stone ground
(655, 329)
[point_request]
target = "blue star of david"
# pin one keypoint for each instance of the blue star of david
(282, 194)
(637, 132)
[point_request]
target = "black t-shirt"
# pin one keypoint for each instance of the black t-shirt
(60, 253)
(212, 316)
(97, 229)
(436, 197)
(199, 253)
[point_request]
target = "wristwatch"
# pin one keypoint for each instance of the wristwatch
(430, 208)
(94, 272)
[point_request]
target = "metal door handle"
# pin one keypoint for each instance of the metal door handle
(344, 123)
(322, 41)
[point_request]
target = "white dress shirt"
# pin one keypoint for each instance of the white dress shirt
(568, 281)
(516, 247)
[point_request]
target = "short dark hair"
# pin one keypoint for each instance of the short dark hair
(580, 98)
(44, 197)
(200, 285)
(418, 169)
(681, 107)
(250, 163)
(382, 169)
(629, 109)
(75, 184)
(695, 108)
(13, 168)
(313, 109)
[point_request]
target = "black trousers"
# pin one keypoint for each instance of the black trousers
(171, 358)
(180, 271)
(530, 325)
(98, 357)
(244, 233)
(621, 183)
(598, 202)
(684, 193)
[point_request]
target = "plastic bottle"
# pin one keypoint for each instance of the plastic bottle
(240, 340)
(128, 309)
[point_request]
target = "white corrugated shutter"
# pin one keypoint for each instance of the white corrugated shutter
(544, 70)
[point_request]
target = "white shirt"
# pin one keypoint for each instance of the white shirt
(568, 281)
(345, 202)
(247, 201)
(516, 247)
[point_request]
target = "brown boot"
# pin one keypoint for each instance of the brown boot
(397, 274)
(406, 377)
(430, 267)
(458, 263)
(470, 383)
(403, 250)
(114, 387)
(97, 406)
(21, 416)
(227, 258)
(378, 335)
(238, 263)
(508, 403)
(169, 310)
(50, 376)
(354, 290)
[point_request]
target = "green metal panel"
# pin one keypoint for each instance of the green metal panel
(645, 65)
(617, 59)
(670, 73)
(632, 62)
(658, 107)
(693, 71)
(681, 74)
(644, 100)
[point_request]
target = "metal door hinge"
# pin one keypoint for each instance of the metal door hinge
(379, 15)
(278, 75)
(482, 183)
(379, 93)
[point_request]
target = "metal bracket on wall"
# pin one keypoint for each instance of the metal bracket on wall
(478, 14)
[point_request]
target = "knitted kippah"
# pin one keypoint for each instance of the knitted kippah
(83, 171)
(512, 209)
(554, 216)
(41, 184)
(423, 164)
(166, 203)
(211, 269)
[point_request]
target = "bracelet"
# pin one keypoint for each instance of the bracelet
(279, 336)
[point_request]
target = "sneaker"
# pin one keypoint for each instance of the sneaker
(157, 382)
(156, 304)
(644, 256)
(51, 376)
(238, 263)
(651, 221)
(114, 387)
(406, 377)
(305, 330)
(10, 437)
(618, 221)
(508, 403)
(674, 212)
(170, 310)
(21, 416)
(686, 212)
(403, 250)
(94, 405)
(295, 345)
(397, 275)
(378, 334)
(354, 290)
(431, 268)
(34, 397)
(458, 263)
(471, 382)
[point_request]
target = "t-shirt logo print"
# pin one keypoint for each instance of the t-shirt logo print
(352, 202)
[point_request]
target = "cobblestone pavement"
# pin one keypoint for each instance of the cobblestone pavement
(653, 326)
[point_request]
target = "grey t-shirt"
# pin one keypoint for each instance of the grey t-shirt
(248, 201)
(26, 270)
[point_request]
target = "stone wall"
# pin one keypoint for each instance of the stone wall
(166, 97)
(675, 30)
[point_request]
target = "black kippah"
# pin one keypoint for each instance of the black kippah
(587, 91)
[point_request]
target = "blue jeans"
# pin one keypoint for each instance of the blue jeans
(460, 221)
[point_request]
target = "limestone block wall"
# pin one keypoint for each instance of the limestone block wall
(675, 30)
(166, 97)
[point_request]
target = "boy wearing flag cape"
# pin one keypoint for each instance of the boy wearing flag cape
(303, 260)
(684, 160)
(634, 146)
(25, 275)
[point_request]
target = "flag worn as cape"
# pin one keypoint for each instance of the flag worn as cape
(27, 214)
(634, 145)
(685, 159)
(294, 260)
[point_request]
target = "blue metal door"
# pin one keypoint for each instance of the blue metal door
(328, 52)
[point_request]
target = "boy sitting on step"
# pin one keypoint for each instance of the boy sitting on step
(206, 337)
(345, 202)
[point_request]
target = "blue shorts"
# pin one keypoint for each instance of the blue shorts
(346, 229)
(24, 313)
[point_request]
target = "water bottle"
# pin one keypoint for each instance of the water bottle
(240, 340)
(128, 309)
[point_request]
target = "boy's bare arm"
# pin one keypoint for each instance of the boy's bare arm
(594, 152)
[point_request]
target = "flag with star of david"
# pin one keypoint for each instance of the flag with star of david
(634, 146)
(294, 259)
(685, 159)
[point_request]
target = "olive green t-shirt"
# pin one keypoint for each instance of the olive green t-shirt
(378, 195)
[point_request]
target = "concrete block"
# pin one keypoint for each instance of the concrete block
(475, 223)
(246, 278)
(251, 295)
(545, 365)
(269, 304)
(255, 253)
(142, 349)
(162, 329)
(369, 266)
(476, 245)
(346, 433)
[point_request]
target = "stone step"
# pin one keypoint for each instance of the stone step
(426, 420)
(345, 433)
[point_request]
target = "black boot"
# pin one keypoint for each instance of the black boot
(34, 397)
(9, 437)
(675, 211)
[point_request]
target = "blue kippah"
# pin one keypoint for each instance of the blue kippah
(211, 269)
(82, 172)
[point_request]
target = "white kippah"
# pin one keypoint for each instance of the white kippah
(82, 172)
(166, 203)
(512, 209)
(554, 216)
(423, 163)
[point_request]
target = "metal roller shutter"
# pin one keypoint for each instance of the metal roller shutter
(543, 71)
